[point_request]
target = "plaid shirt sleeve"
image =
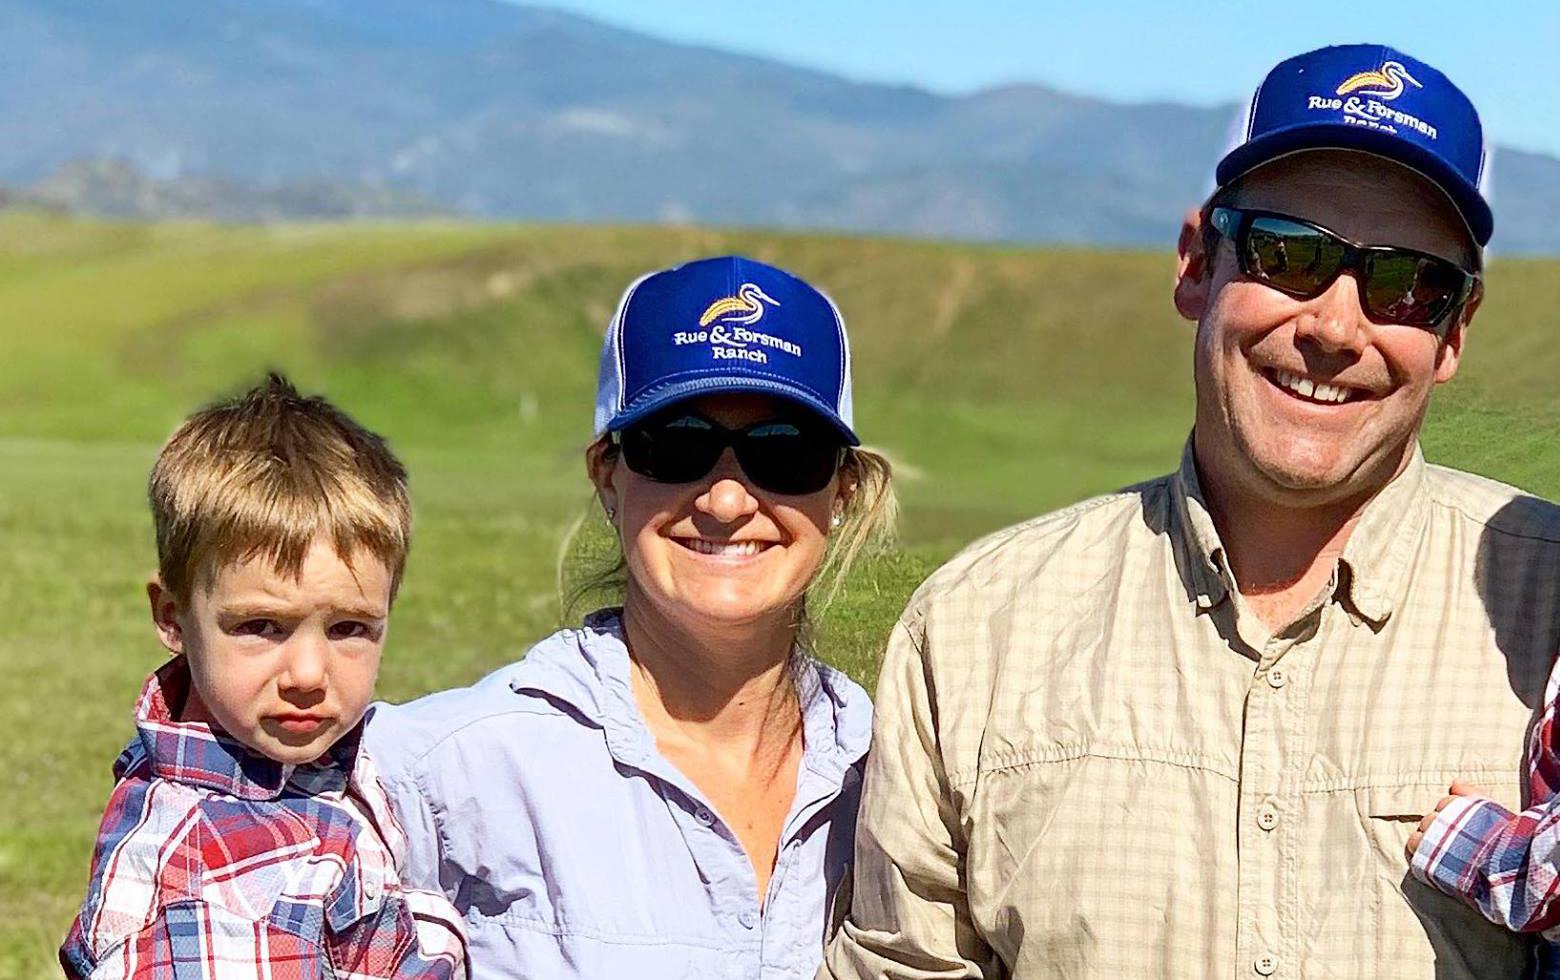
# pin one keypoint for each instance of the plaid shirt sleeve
(199, 941)
(1506, 865)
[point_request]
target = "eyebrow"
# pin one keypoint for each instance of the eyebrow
(262, 611)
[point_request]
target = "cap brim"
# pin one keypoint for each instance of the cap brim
(663, 395)
(1464, 195)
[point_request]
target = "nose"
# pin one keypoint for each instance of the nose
(727, 498)
(303, 669)
(1334, 320)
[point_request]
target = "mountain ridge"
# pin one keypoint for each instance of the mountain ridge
(503, 111)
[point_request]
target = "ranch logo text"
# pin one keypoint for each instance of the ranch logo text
(1369, 107)
(725, 324)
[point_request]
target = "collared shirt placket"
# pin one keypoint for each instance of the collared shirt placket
(820, 784)
(1272, 763)
(715, 849)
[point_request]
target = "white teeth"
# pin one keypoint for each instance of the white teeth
(1316, 391)
(728, 548)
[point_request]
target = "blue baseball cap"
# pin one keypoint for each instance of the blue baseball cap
(1373, 98)
(722, 325)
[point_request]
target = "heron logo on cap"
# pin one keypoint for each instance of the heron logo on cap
(745, 308)
(724, 326)
(1361, 100)
(1385, 83)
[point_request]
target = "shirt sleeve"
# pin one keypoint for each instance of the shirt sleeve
(909, 917)
(415, 936)
(1505, 864)
(420, 866)
(441, 936)
(201, 941)
(398, 758)
(1501, 863)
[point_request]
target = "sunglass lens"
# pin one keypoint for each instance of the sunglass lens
(675, 450)
(789, 458)
(1410, 289)
(1291, 256)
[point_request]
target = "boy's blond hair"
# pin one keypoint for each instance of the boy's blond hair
(264, 474)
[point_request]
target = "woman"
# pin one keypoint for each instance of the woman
(670, 790)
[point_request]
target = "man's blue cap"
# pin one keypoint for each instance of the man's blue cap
(1373, 98)
(722, 325)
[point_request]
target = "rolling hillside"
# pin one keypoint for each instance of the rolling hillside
(1003, 381)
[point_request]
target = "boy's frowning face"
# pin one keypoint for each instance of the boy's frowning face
(284, 665)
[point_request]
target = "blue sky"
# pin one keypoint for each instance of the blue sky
(1504, 53)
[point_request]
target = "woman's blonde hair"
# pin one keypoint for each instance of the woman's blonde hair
(592, 551)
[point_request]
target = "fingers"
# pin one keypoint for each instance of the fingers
(1460, 788)
(1424, 822)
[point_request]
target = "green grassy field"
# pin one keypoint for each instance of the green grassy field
(1003, 382)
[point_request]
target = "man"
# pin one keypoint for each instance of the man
(1185, 730)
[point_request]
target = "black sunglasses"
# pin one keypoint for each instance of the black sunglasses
(1301, 258)
(781, 455)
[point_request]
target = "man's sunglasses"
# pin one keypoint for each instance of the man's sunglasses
(784, 456)
(1301, 258)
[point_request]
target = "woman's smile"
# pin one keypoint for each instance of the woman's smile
(725, 550)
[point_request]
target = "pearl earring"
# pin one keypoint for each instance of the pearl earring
(611, 513)
(836, 520)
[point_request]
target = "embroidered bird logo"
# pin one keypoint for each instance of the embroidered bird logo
(747, 307)
(1385, 83)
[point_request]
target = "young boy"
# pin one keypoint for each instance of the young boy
(246, 836)
(1506, 865)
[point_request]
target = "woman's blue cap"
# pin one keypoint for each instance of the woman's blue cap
(1373, 98)
(721, 325)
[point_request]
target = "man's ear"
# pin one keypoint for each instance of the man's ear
(166, 609)
(1449, 355)
(1193, 268)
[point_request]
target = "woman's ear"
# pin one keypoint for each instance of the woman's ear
(601, 459)
(165, 614)
(849, 481)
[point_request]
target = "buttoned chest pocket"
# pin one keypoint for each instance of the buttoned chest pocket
(1417, 931)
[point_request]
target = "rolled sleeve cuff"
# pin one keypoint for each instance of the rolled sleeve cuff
(1447, 858)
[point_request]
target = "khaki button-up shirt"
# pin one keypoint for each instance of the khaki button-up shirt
(1091, 760)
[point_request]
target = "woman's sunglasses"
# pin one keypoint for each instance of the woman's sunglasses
(784, 456)
(1301, 258)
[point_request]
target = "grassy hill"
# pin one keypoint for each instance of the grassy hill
(1003, 381)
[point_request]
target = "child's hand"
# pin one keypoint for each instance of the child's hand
(1458, 788)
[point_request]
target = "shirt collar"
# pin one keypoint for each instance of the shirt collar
(199, 754)
(1377, 556)
(588, 670)
(1196, 541)
(1381, 550)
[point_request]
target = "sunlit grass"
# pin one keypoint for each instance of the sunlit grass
(1003, 381)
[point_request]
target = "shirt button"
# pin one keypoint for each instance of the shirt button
(1267, 818)
(748, 918)
(1266, 965)
(370, 889)
(1277, 678)
(704, 816)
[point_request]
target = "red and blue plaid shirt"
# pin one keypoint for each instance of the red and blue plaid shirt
(214, 861)
(1506, 865)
